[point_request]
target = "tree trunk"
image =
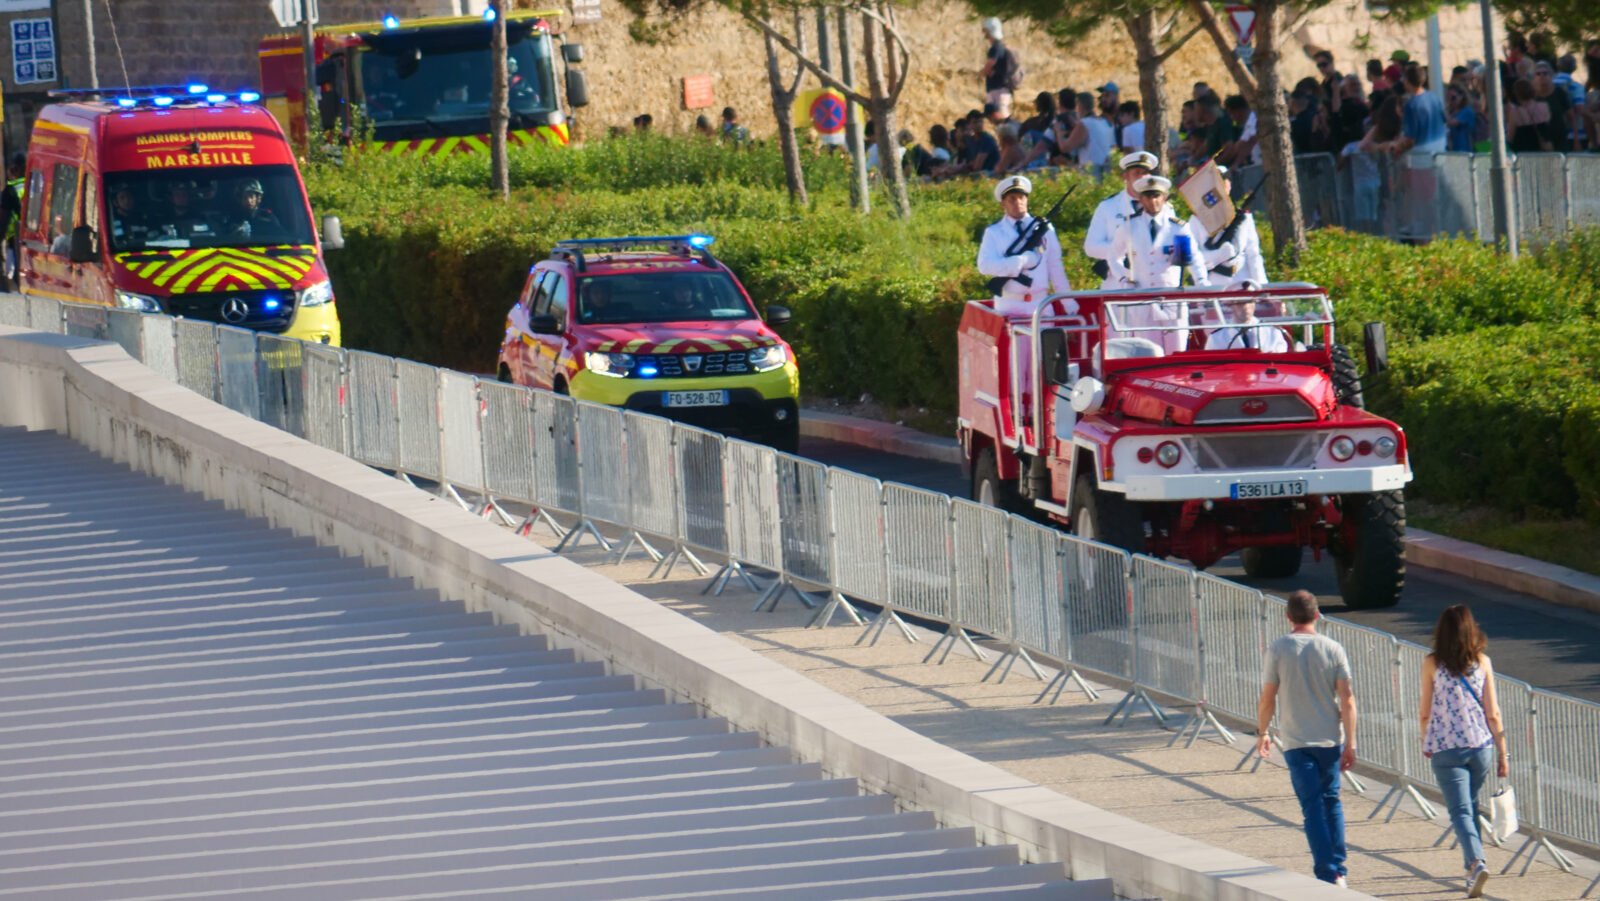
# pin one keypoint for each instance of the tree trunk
(499, 107)
(1152, 83)
(1272, 128)
(783, 111)
(883, 113)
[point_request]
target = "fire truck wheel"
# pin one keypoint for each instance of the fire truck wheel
(1347, 379)
(988, 488)
(1372, 565)
(1105, 517)
(1274, 562)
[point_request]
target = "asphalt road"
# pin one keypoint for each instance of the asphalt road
(1549, 646)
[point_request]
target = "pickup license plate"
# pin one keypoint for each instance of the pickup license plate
(1247, 491)
(694, 399)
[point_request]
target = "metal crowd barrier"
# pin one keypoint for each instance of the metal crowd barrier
(819, 532)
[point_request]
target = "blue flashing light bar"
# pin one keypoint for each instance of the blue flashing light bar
(216, 98)
(161, 101)
(249, 96)
(391, 21)
(198, 88)
(127, 102)
(271, 303)
(488, 14)
(701, 241)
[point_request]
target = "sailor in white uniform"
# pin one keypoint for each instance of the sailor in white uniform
(1247, 333)
(1116, 210)
(1159, 247)
(1238, 260)
(1042, 268)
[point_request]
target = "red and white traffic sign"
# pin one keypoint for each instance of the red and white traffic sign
(1243, 21)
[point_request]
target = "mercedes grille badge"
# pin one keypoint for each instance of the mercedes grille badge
(234, 309)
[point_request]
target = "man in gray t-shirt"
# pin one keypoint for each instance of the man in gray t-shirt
(1311, 673)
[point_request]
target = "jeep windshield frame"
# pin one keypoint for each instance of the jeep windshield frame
(1176, 313)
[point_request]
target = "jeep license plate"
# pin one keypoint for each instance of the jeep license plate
(1248, 491)
(695, 399)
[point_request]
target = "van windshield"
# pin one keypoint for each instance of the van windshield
(222, 206)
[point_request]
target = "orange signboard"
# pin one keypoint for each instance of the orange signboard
(697, 92)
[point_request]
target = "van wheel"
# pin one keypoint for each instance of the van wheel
(560, 387)
(1106, 517)
(1273, 562)
(504, 373)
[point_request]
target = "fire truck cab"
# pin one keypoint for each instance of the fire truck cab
(1188, 423)
(174, 200)
(422, 85)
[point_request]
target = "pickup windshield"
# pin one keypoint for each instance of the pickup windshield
(222, 206)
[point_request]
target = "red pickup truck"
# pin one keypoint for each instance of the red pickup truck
(1191, 424)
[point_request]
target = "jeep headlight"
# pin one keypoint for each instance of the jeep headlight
(314, 296)
(143, 303)
(615, 365)
(765, 359)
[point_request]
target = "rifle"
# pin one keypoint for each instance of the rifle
(1031, 239)
(1240, 210)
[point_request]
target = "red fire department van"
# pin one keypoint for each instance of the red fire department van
(179, 201)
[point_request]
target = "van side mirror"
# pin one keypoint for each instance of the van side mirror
(1053, 356)
(81, 246)
(544, 324)
(577, 88)
(332, 233)
(572, 53)
(777, 315)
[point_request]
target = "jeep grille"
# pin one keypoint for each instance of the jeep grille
(1266, 407)
(1289, 450)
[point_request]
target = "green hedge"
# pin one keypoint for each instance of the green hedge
(1493, 375)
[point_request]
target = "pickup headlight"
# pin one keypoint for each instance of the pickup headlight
(765, 359)
(314, 296)
(144, 303)
(615, 365)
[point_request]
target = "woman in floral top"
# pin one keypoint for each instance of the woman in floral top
(1461, 730)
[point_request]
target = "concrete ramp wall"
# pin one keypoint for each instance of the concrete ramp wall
(115, 406)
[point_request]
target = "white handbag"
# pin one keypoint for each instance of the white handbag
(1503, 805)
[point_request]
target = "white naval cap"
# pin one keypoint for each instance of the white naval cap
(1153, 183)
(1140, 158)
(1012, 183)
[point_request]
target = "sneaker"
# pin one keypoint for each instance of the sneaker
(1339, 881)
(1476, 878)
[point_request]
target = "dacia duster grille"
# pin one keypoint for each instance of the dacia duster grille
(734, 362)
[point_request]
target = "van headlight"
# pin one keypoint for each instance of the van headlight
(617, 366)
(766, 359)
(314, 296)
(143, 303)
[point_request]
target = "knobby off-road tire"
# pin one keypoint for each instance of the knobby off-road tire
(1347, 379)
(1106, 517)
(1274, 562)
(991, 490)
(1372, 569)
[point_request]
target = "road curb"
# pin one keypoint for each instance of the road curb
(1546, 581)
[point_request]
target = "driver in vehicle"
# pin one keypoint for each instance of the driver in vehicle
(1248, 333)
(682, 302)
(596, 299)
(184, 219)
(129, 225)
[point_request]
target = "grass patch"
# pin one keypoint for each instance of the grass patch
(1566, 542)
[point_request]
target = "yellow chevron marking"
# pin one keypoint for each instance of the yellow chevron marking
(665, 346)
(257, 266)
(210, 262)
(424, 144)
(717, 346)
(231, 272)
(634, 345)
(283, 271)
(448, 145)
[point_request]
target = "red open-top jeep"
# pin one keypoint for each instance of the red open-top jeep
(1104, 411)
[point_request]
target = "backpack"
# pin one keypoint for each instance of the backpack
(1014, 72)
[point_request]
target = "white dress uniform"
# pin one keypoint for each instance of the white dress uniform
(1110, 215)
(1048, 275)
(1266, 338)
(1150, 265)
(1245, 261)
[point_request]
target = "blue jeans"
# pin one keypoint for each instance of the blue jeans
(1314, 772)
(1460, 773)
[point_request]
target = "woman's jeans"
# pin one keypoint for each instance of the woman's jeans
(1460, 773)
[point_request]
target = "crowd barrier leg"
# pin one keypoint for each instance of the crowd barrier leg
(634, 537)
(1136, 696)
(1198, 723)
(1592, 886)
(680, 553)
(1403, 788)
(725, 574)
(882, 620)
(1013, 653)
(955, 635)
(836, 603)
(536, 516)
(1485, 832)
(1536, 842)
(490, 508)
(775, 593)
(1068, 674)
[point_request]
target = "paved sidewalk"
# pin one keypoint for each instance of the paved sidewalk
(1129, 769)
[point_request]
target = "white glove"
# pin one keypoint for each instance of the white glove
(1226, 251)
(1031, 259)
